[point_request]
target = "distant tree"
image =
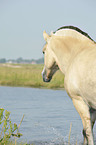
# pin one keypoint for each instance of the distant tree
(2, 60)
(19, 60)
(40, 61)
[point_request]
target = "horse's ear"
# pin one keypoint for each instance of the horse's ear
(46, 36)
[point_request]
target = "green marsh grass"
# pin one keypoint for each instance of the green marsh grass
(28, 75)
(7, 128)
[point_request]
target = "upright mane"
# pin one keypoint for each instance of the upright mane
(76, 29)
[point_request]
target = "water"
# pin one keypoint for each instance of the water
(48, 115)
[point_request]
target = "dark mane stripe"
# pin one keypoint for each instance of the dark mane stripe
(75, 28)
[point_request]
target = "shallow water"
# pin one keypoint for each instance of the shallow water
(48, 115)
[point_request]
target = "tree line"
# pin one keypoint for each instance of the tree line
(21, 60)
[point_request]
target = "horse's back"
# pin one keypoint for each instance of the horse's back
(80, 78)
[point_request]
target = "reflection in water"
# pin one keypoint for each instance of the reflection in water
(48, 114)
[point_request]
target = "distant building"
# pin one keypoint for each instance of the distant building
(9, 61)
(33, 62)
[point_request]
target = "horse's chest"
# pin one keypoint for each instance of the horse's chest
(71, 82)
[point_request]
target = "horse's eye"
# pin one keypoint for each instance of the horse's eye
(43, 52)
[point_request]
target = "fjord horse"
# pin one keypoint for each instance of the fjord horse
(74, 52)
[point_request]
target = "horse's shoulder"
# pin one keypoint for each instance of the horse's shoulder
(80, 66)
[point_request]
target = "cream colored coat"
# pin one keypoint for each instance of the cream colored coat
(75, 55)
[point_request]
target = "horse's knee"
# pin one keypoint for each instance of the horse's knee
(85, 139)
(84, 133)
(88, 137)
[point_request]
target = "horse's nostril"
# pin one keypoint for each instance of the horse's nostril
(46, 79)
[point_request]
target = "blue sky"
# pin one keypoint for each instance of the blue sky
(22, 23)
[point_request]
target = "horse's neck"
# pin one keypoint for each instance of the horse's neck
(66, 49)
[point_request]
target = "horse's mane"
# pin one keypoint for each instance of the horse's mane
(76, 29)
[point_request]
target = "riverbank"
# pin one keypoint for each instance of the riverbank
(28, 75)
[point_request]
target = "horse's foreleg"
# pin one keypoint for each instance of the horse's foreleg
(84, 113)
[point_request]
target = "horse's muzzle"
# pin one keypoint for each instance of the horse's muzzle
(45, 78)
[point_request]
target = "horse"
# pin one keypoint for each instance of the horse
(74, 52)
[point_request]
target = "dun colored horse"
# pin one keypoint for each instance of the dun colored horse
(74, 52)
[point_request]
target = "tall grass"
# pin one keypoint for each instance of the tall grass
(28, 76)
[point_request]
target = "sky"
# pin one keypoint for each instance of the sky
(22, 23)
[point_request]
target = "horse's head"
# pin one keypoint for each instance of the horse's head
(50, 65)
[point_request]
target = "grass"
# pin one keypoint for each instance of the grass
(28, 76)
(7, 128)
(16, 143)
